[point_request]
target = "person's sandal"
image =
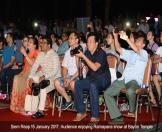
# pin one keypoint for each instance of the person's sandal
(94, 120)
(117, 120)
(153, 103)
(80, 117)
(67, 105)
(130, 115)
(38, 115)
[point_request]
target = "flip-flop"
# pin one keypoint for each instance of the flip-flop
(129, 115)
(153, 104)
(94, 120)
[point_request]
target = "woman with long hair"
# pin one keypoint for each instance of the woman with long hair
(19, 89)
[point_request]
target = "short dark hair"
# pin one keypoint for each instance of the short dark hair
(136, 35)
(48, 39)
(75, 34)
(95, 36)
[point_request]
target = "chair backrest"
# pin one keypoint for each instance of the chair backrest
(112, 61)
(122, 63)
(147, 73)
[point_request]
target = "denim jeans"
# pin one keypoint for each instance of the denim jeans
(93, 87)
(7, 78)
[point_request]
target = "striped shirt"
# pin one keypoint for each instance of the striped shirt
(49, 63)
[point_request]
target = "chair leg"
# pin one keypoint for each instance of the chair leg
(136, 111)
(140, 106)
(105, 111)
(54, 103)
(150, 107)
(60, 104)
(148, 103)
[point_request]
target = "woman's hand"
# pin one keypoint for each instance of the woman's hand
(15, 66)
(29, 82)
(23, 51)
(115, 34)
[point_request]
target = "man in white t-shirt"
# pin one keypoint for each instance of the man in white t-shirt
(157, 78)
(69, 71)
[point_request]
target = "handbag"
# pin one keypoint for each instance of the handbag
(31, 103)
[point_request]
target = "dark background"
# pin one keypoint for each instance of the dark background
(67, 9)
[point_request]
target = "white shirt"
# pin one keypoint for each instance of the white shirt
(159, 52)
(135, 67)
(69, 62)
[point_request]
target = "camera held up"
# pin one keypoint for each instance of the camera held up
(76, 50)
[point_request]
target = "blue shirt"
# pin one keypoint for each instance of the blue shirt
(135, 67)
(63, 48)
(8, 52)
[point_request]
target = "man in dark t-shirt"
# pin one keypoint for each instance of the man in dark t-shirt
(97, 79)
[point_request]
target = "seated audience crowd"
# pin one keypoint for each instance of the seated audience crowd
(39, 64)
